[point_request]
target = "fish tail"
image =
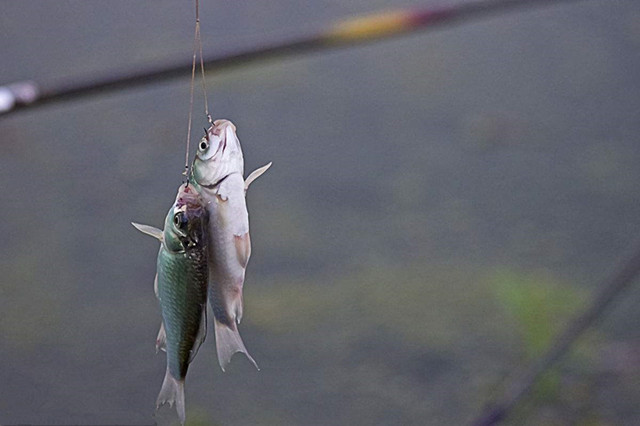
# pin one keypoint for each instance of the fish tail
(172, 391)
(228, 342)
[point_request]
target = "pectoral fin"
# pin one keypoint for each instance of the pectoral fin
(243, 248)
(149, 230)
(161, 340)
(255, 175)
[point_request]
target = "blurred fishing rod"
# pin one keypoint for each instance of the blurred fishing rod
(30, 94)
(622, 278)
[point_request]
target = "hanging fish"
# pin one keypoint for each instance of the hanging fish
(218, 172)
(181, 288)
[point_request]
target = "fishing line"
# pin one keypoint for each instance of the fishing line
(197, 46)
(193, 78)
(204, 84)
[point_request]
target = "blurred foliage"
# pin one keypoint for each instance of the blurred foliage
(540, 306)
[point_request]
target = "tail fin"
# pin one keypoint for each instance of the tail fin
(172, 391)
(228, 342)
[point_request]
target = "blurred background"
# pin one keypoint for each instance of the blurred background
(439, 206)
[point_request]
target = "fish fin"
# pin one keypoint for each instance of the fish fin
(202, 334)
(255, 175)
(161, 340)
(243, 248)
(228, 342)
(149, 230)
(237, 309)
(172, 391)
(155, 286)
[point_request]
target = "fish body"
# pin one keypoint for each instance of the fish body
(181, 288)
(218, 174)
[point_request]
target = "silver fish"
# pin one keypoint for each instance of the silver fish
(218, 173)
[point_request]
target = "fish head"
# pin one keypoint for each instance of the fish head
(187, 221)
(219, 154)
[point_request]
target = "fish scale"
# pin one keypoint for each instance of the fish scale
(185, 276)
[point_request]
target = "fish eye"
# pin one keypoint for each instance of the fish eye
(203, 145)
(178, 220)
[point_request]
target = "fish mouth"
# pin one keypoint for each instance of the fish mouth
(222, 145)
(223, 122)
(193, 208)
(220, 129)
(188, 199)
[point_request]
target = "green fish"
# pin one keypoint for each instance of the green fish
(181, 288)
